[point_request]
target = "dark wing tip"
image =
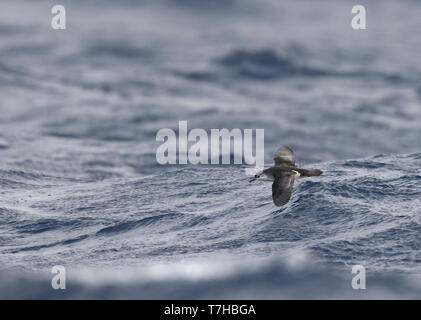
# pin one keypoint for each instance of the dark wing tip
(288, 148)
(282, 190)
(280, 202)
(284, 155)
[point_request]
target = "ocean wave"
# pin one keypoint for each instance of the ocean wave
(268, 65)
(341, 216)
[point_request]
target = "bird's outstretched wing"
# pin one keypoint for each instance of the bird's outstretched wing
(282, 188)
(284, 156)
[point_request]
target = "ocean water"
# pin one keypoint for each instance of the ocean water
(80, 185)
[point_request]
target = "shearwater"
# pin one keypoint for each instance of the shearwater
(283, 175)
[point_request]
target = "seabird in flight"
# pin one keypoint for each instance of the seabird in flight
(283, 175)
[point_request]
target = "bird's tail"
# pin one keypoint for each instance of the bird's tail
(308, 172)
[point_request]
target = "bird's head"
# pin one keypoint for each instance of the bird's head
(258, 175)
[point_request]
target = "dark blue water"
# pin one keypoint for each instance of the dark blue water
(79, 181)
